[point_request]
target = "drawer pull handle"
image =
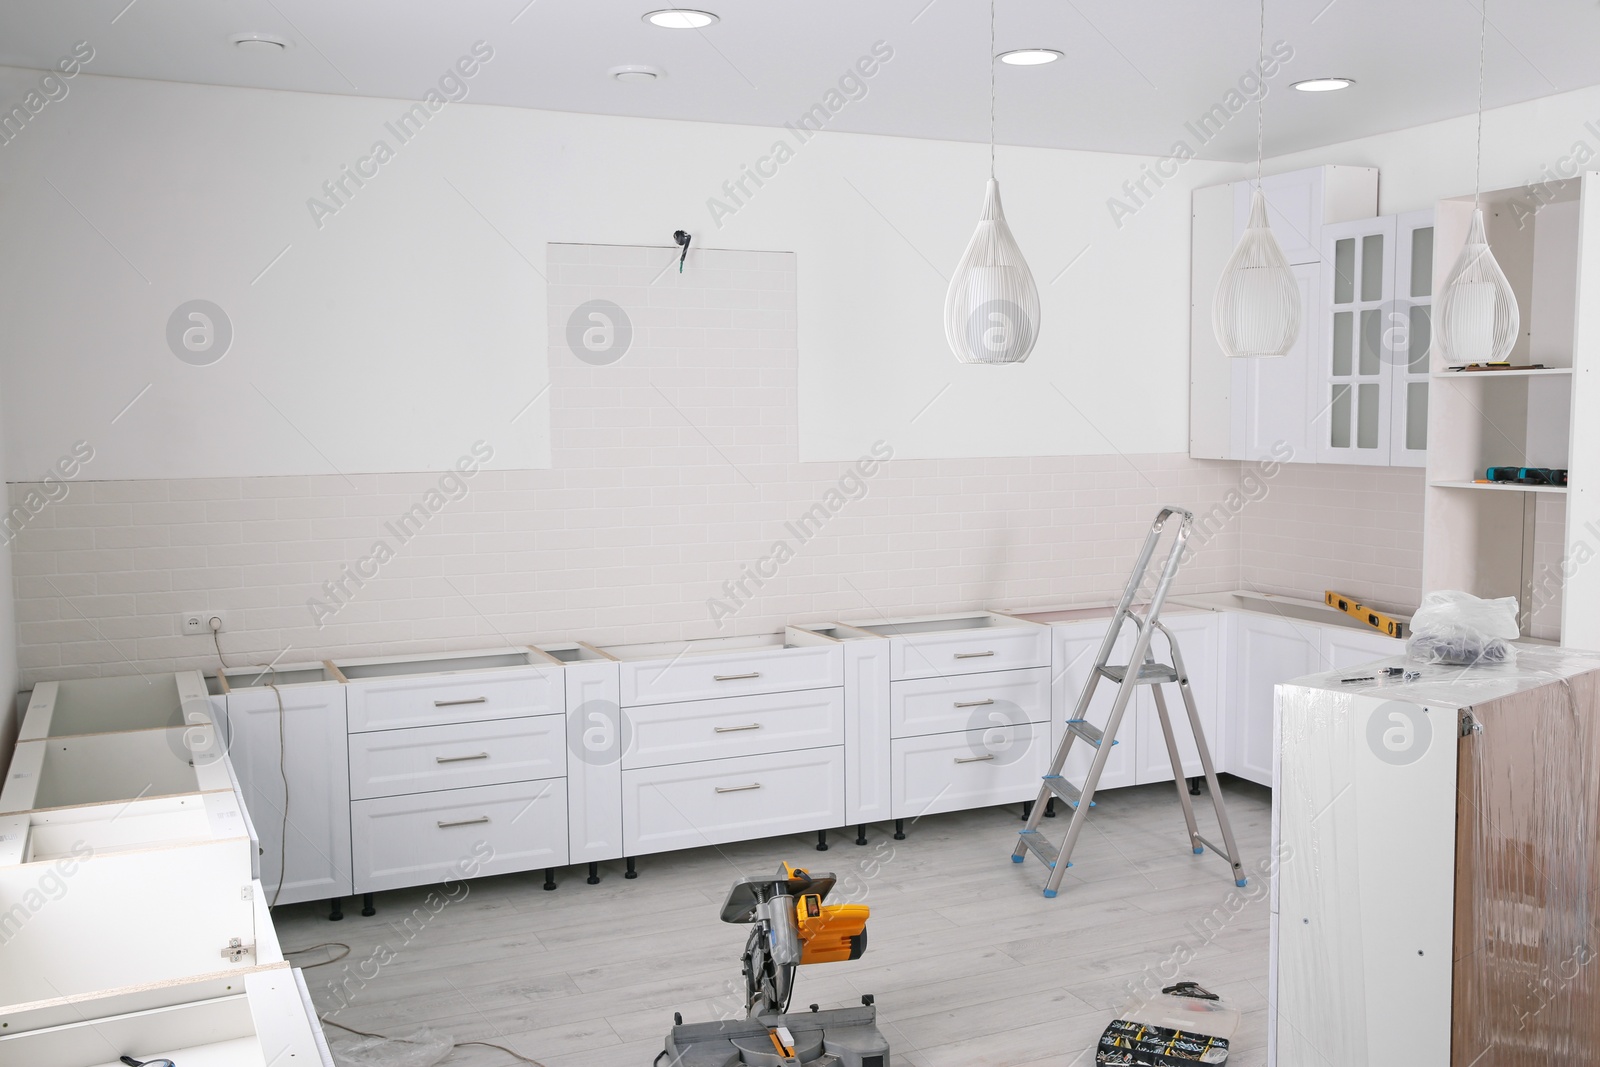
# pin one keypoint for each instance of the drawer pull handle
(973, 655)
(738, 788)
(464, 822)
(974, 703)
(454, 703)
(735, 729)
(974, 759)
(735, 677)
(459, 759)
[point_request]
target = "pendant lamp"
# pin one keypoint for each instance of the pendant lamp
(1477, 320)
(991, 311)
(1257, 309)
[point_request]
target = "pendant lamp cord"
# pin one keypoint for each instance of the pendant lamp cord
(1261, 62)
(1483, 32)
(991, 89)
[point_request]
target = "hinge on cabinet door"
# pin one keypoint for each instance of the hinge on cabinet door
(236, 948)
(246, 893)
(1470, 725)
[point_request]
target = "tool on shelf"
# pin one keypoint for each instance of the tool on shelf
(1527, 475)
(791, 926)
(1374, 618)
(1141, 669)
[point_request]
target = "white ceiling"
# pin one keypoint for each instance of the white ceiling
(1132, 75)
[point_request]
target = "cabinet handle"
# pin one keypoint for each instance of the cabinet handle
(459, 759)
(735, 729)
(738, 788)
(453, 703)
(973, 655)
(974, 759)
(974, 703)
(735, 677)
(464, 822)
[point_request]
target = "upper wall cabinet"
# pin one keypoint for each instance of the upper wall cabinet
(1253, 408)
(1371, 402)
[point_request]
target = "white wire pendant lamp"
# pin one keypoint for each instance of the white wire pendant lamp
(991, 310)
(1477, 320)
(1257, 308)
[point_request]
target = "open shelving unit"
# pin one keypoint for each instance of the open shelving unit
(1517, 540)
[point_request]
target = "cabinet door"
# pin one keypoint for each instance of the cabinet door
(1359, 331)
(1267, 650)
(1075, 646)
(1343, 647)
(1294, 211)
(1273, 397)
(314, 854)
(1413, 333)
(1198, 640)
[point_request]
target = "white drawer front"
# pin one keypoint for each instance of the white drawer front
(734, 726)
(969, 701)
(696, 677)
(390, 763)
(427, 838)
(971, 769)
(432, 700)
(736, 799)
(968, 652)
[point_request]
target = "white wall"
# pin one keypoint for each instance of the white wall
(386, 340)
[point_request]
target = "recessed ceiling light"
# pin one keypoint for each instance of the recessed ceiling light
(635, 74)
(680, 18)
(261, 43)
(1029, 57)
(1323, 85)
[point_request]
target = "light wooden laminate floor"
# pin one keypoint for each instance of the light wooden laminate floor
(969, 963)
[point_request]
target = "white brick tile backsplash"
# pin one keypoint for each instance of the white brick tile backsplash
(676, 468)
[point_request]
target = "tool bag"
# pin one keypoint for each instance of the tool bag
(1183, 1027)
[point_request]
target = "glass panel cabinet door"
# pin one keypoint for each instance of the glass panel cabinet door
(1413, 325)
(1362, 341)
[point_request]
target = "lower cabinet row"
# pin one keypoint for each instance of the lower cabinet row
(376, 809)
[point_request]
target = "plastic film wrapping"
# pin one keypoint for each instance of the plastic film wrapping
(1528, 871)
(1321, 1007)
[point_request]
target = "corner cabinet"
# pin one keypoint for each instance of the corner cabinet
(1249, 409)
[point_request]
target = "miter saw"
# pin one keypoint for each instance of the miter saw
(790, 926)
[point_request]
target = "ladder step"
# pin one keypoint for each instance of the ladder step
(1149, 674)
(1040, 847)
(1065, 789)
(1088, 731)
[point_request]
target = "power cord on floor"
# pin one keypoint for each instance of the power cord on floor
(313, 948)
(458, 1044)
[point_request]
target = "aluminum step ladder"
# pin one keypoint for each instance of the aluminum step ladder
(1127, 679)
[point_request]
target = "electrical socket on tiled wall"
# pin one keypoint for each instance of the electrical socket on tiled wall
(677, 508)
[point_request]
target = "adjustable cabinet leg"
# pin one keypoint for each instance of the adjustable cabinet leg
(594, 874)
(861, 833)
(366, 905)
(1050, 808)
(822, 840)
(549, 878)
(1027, 809)
(899, 829)
(335, 909)
(1194, 787)
(630, 872)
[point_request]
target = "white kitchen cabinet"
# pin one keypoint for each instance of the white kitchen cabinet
(115, 705)
(1250, 409)
(1377, 297)
(1267, 650)
(595, 741)
(968, 701)
(731, 739)
(867, 734)
(969, 769)
(1343, 647)
(427, 759)
(1200, 642)
(289, 748)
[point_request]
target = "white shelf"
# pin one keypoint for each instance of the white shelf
(1500, 487)
(1516, 372)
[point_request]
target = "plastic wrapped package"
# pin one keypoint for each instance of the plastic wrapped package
(423, 1047)
(1462, 630)
(1181, 1026)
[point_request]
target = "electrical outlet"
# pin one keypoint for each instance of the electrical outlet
(199, 623)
